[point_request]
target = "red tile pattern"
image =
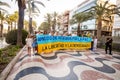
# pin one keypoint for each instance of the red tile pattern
(61, 66)
(93, 75)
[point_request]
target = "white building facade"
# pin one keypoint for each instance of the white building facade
(89, 26)
(116, 26)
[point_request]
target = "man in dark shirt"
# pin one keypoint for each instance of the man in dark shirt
(108, 44)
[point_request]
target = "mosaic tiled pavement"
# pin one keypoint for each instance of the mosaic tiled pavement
(67, 65)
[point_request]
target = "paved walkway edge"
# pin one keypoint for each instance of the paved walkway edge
(8, 68)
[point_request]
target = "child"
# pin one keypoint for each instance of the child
(29, 42)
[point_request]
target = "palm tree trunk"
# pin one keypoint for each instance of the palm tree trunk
(30, 25)
(1, 30)
(11, 26)
(99, 29)
(8, 27)
(53, 29)
(78, 29)
(49, 27)
(21, 6)
(15, 25)
(54, 24)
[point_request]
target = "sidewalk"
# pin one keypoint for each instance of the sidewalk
(67, 65)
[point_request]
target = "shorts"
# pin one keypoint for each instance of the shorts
(34, 44)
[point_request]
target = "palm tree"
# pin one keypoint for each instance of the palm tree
(34, 24)
(59, 17)
(8, 22)
(54, 22)
(102, 11)
(21, 8)
(51, 19)
(12, 19)
(26, 24)
(32, 10)
(48, 19)
(79, 18)
(15, 16)
(44, 26)
(2, 16)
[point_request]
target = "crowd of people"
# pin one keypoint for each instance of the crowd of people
(31, 39)
(32, 44)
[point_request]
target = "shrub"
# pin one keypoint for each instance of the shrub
(12, 50)
(0, 53)
(116, 46)
(24, 35)
(11, 37)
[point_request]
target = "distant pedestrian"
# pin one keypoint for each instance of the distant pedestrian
(95, 43)
(51, 33)
(56, 33)
(45, 33)
(108, 44)
(92, 44)
(65, 34)
(74, 34)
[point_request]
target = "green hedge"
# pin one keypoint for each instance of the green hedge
(11, 37)
(116, 46)
(6, 55)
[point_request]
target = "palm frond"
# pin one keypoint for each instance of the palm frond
(35, 7)
(3, 10)
(89, 9)
(4, 4)
(111, 6)
(39, 2)
(73, 21)
(106, 3)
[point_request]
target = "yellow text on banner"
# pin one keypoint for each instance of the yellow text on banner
(48, 47)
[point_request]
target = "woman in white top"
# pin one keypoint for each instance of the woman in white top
(95, 43)
(29, 41)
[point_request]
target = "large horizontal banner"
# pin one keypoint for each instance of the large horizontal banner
(47, 43)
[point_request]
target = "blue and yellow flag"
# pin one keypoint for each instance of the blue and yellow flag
(47, 43)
